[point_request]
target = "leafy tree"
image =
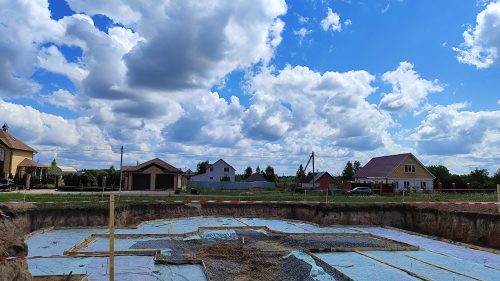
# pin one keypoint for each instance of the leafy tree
(348, 172)
(202, 167)
(496, 177)
(441, 173)
(269, 174)
(53, 166)
(357, 166)
(479, 178)
(300, 175)
(257, 170)
(248, 172)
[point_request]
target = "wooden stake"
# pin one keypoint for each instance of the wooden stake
(498, 197)
(111, 236)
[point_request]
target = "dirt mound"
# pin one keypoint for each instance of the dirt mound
(12, 245)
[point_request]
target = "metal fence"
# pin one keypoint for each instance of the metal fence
(230, 185)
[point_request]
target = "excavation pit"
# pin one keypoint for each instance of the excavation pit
(227, 248)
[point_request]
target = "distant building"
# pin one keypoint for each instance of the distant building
(321, 180)
(66, 169)
(216, 172)
(12, 153)
(256, 177)
(154, 174)
(402, 170)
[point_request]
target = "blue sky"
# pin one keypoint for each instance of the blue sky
(261, 83)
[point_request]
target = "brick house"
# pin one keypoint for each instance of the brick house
(13, 152)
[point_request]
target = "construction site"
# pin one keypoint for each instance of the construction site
(236, 241)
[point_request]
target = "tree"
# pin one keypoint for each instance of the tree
(496, 176)
(348, 172)
(269, 174)
(479, 178)
(53, 166)
(248, 172)
(357, 166)
(202, 167)
(300, 175)
(441, 173)
(257, 170)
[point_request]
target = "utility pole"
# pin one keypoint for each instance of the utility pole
(314, 180)
(121, 164)
(112, 236)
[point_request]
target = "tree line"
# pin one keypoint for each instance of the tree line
(477, 178)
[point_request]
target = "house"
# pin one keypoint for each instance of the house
(256, 177)
(321, 180)
(217, 171)
(66, 170)
(154, 174)
(402, 170)
(12, 153)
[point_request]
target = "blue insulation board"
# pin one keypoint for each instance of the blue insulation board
(362, 268)
(457, 251)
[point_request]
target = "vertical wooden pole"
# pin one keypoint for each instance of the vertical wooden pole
(498, 197)
(112, 237)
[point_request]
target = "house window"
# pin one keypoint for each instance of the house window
(226, 169)
(423, 184)
(409, 168)
(407, 184)
(211, 169)
(211, 178)
(1, 154)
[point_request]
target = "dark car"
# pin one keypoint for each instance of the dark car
(360, 191)
(6, 184)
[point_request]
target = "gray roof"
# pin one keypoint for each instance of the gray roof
(317, 176)
(256, 177)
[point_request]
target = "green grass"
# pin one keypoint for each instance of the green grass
(94, 200)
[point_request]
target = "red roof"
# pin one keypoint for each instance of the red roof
(31, 164)
(13, 143)
(157, 162)
(380, 166)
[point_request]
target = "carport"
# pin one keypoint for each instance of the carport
(154, 174)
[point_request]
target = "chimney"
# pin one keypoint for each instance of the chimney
(5, 127)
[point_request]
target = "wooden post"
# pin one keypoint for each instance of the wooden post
(28, 182)
(112, 237)
(498, 197)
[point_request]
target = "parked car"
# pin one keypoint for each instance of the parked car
(360, 191)
(7, 184)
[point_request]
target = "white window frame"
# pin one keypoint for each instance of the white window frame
(409, 168)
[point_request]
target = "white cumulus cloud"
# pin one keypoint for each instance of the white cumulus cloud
(409, 90)
(482, 42)
(331, 21)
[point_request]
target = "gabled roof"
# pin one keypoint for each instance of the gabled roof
(13, 143)
(382, 166)
(256, 177)
(189, 173)
(28, 163)
(222, 161)
(317, 176)
(156, 162)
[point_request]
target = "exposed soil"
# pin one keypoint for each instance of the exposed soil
(475, 208)
(12, 245)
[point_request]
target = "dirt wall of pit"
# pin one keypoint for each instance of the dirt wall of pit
(474, 228)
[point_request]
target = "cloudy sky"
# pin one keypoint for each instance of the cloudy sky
(254, 82)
